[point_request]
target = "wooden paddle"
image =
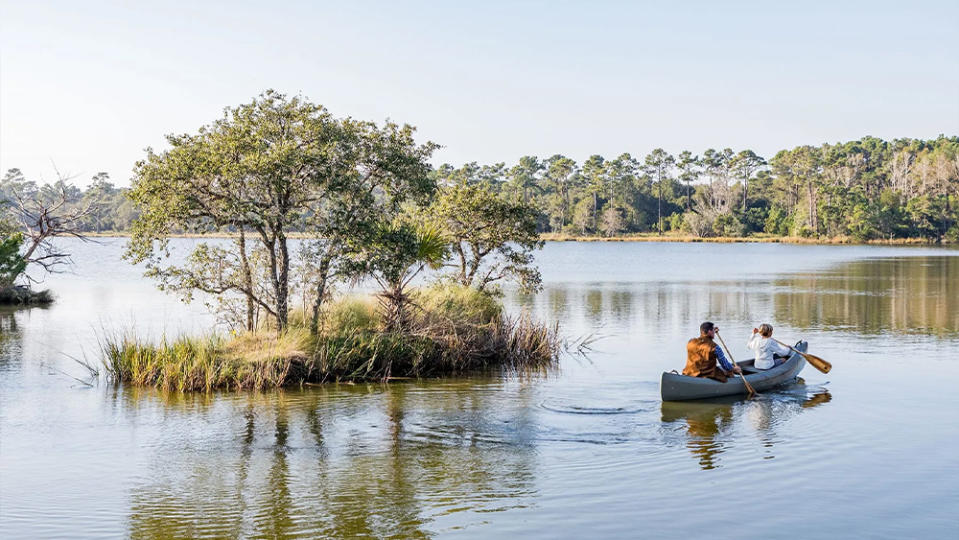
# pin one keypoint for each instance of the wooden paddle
(813, 360)
(752, 392)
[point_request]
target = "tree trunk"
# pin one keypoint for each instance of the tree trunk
(283, 278)
(659, 209)
(270, 244)
(565, 208)
(395, 308)
(247, 283)
(324, 270)
(745, 191)
(813, 220)
(595, 208)
(462, 255)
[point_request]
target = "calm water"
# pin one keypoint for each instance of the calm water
(867, 451)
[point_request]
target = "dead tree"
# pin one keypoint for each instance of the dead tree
(43, 216)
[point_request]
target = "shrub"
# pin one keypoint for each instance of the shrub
(953, 233)
(675, 222)
(778, 222)
(728, 225)
(697, 224)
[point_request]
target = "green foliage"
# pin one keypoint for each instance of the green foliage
(675, 221)
(728, 225)
(492, 238)
(271, 167)
(754, 219)
(953, 233)
(393, 254)
(777, 222)
(807, 190)
(926, 217)
(889, 214)
(816, 187)
(11, 262)
(861, 225)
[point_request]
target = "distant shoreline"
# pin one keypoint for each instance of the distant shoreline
(648, 237)
(645, 237)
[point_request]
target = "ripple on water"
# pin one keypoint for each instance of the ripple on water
(585, 409)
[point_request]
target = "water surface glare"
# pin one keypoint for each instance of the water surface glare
(867, 451)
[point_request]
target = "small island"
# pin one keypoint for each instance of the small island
(365, 206)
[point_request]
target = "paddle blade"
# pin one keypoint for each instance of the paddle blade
(817, 362)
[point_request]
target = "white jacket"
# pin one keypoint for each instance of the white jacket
(765, 349)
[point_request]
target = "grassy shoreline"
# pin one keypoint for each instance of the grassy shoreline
(759, 239)
(652, 237)
(453, 331)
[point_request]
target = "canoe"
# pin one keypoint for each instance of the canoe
(677, 387)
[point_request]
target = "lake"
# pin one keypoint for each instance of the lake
(867, 451)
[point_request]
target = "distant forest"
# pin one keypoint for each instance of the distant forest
(864, 189)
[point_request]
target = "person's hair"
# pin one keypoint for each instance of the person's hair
(705, 328)
(765, 330)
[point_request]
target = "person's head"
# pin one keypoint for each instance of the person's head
(765, 330)
(708, 329)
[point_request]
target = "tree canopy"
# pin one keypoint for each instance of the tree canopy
(268, 168)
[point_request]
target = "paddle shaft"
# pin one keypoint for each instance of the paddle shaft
(731, 359)
(813, 360)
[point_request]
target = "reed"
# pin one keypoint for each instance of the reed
(452, 330)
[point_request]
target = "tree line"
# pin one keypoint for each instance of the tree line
(864, 189)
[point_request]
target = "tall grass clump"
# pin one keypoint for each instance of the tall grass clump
(185, 363)
(451, 330)
(249, 361)
(351, 314)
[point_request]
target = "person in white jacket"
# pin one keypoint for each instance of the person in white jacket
(769, 353)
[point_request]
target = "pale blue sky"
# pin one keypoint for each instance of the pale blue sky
(88, 85)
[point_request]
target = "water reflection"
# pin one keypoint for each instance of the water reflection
(704, 423)
(658, 307)
(334, 462)
(11, 348)
(906, 295)
(709, 423)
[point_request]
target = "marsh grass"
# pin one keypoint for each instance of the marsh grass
(453, 330)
